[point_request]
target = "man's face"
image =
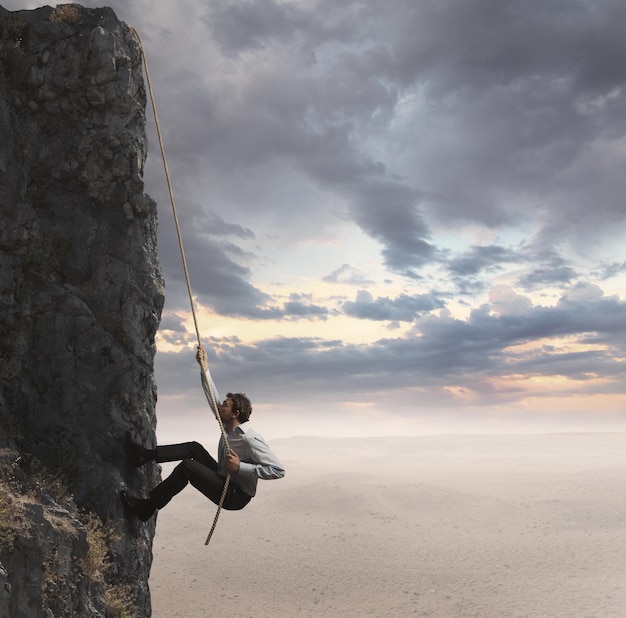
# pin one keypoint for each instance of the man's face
(226, 410)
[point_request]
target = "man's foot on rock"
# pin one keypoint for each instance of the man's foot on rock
(137, 455)
(140, 507)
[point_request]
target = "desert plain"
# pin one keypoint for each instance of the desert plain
(446, 526)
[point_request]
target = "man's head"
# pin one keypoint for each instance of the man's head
(241, 405)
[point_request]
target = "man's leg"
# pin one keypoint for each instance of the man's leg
(185, 450)
(204, 479)
(139, 455)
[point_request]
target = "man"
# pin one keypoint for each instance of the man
(249, 460)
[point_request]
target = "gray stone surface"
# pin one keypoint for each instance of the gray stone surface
(81, 295)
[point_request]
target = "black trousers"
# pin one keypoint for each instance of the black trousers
(198, 468)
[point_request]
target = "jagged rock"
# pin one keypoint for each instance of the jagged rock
(81, 295)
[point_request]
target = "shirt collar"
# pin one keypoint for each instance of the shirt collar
(240, 428)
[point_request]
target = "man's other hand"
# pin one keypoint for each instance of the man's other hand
(232, 462)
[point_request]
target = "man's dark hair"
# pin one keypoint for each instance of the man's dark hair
(242, 405)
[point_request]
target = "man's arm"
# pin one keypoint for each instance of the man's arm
(207, 381)
(265, 464)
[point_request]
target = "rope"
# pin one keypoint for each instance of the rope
(207, 387)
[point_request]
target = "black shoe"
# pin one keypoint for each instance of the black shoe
(141, 507)
(137, 455)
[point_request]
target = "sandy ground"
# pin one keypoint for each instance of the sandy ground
(456, 526)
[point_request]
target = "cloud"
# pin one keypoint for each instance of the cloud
(387, 211)
(506, 108)
(504, 300)
(347, 275)
(587, 331)
(481, 258)
(540, 277)
(249, 26)
(296, 307)
(484, 112)
(404, 308)
(173, 323)
(216, 278)
(461, 154)
(214, 225)
(608, 271)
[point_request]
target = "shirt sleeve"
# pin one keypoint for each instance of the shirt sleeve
(264, 464)
(210, 391)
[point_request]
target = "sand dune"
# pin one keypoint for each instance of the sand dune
(440, 526)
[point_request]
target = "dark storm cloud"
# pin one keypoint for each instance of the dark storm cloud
(515, 110)
(525, 91)
(253, 25)
(511, 99)
(308, 120)
(248, 26)
(531, 88)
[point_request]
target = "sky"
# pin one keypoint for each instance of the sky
(400, 217)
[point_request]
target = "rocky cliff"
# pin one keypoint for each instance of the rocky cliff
(80, 301)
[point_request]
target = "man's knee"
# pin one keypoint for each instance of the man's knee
(196, 450)
(181, 470)
(201, 455)
(185, 464)
(192, 469)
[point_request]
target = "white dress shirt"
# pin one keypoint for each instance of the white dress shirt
(257, 459)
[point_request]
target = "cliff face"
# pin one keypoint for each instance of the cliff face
(80, 301)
